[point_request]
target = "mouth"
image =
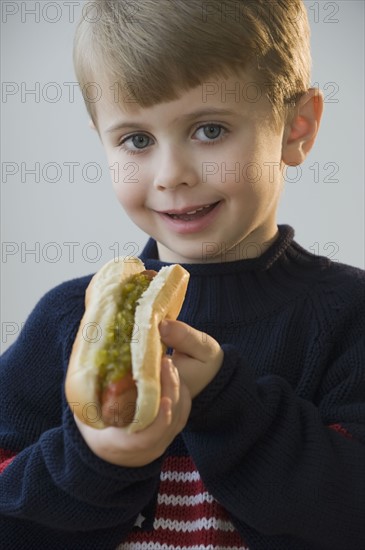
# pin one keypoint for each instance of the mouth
(192, 219)
(191, 213)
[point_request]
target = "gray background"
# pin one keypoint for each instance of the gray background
(324, 201)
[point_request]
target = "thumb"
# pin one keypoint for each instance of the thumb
(186, 339)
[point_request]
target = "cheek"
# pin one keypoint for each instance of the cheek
(127, 184)
(127, 195)
(258, 182)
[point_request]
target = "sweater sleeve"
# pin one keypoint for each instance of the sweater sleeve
(292, 470)
(48, 475)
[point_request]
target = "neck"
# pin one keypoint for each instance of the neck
(253, 245)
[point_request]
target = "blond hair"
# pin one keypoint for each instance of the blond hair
(156, 49)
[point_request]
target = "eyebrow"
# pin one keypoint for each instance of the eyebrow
(189, 116)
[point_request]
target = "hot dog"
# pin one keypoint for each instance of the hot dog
(113, 375)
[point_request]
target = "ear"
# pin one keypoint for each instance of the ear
(301, 132)
(91, 124)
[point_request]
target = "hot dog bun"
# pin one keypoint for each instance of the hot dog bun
(162, 299)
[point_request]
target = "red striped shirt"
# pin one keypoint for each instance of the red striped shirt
(340, 429)
(187, 516)
(6, 457)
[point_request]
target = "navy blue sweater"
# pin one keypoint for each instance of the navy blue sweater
(278, 436)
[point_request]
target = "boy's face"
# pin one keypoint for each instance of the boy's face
(173, 162)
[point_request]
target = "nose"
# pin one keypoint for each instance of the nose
(174, 168)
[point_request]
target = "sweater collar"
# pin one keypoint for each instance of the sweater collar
(149, 256)
(246, 290)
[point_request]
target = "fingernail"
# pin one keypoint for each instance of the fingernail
(164, 328)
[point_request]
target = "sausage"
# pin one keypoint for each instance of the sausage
(118, 402)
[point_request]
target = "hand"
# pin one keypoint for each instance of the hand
(197, 356)
(116, 446)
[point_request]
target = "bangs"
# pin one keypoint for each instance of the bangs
(167, 47)
(150, 56)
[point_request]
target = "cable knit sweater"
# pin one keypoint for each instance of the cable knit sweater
(275, 443)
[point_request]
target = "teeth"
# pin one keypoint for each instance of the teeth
(177, 216)
(198, 210)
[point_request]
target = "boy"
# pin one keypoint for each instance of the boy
(259, 442)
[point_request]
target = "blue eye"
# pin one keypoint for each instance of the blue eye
(137, 140)
(211, 131)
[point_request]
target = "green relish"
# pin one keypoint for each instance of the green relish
(114, 360)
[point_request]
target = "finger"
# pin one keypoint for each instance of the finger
(170, 382)
(186, 339)
(170, 394)
(163, 419)
(166, 410)
(176, 415)
(171, 415)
